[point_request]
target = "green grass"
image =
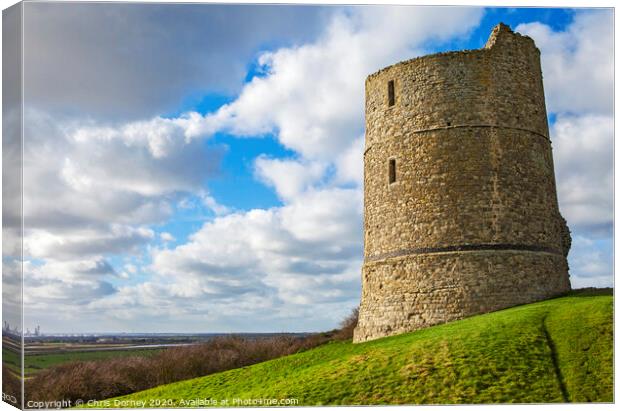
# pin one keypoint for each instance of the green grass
(552, 351)
(42, 361)
(39, 362)
(583, 338)
(11, 360)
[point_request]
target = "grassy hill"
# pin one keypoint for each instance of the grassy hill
(553, 351)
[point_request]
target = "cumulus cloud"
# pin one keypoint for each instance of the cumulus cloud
(288, 177)
(592, 260)
(70, 284)
(578, 63)
(76, 176)
(313, 95)
(12, 303)
(91, 193)
(127, 61)
(323, 224)
(299, 258)
(212, 204)
(114, 239)
(350, 163)
(310, 96)
(578, 69)
(166, 237)
(584, 169)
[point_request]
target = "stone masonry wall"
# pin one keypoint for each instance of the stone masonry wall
(471, 223)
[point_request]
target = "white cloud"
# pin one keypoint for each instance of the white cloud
(113, 239)
(166, 237)
(90, 193)
(70, 271)
(289, 177)
(578, 69)
(68, 284)
(212, 204)
(161, 136)
(350, 163)
(591, 262)
(584, 171)
(306, 252)
(12, 303)
(578, 63)
(147, 57)
(130, 269)
(319, 224)
(99, 180)
(330, 216)
(87, 191)
(224, 272)
(313, 95)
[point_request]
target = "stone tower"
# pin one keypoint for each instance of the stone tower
(460, 207)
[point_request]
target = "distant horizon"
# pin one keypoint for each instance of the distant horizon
(112, 334)
(194, 333)
(195, 166)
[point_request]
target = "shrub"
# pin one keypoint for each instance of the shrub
(97, 380)
(347, 326)
(119, 376)
(11, 386)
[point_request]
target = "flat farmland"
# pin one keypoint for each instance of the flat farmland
(48, 351)
(37, 362)
(34, 363)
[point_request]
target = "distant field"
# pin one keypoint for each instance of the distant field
(11, 359)
(560, 350)
(37, 363)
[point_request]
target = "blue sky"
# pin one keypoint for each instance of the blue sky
(202, 176)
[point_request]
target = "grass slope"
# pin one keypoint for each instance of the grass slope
(553, 351)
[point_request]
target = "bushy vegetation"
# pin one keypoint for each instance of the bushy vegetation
(553, 351)
(347, 326)
(35, 363)
(110, 377)
(11, 384)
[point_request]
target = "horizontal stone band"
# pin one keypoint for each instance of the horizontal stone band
(427, 130)
(464, 248)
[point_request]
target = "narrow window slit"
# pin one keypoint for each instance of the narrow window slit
(391, 96)
(392, 171)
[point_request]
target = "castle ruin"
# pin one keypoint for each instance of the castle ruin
(461, 213)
